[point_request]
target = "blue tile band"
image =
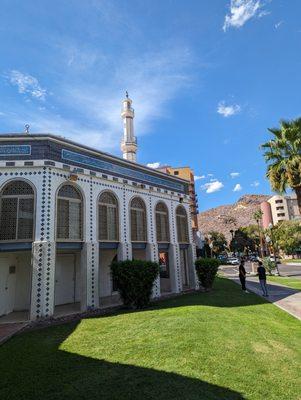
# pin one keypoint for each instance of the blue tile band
(117, 169)
(14, 150)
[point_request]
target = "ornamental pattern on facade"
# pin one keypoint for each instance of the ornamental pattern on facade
(35, 289)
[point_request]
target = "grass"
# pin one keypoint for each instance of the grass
(291, 282)
(220, 345)
(291, 260)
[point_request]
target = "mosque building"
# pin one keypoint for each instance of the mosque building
(68, 210)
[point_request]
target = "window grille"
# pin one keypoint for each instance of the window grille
(182, 225)
(162, 224)
(69, 214)
(138, 220)
(17, 212)
(108, 218)
(70, 192)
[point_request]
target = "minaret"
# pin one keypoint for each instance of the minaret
(129, 142)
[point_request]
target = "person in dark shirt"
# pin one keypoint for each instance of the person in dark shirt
(262, 278)
(242, 276)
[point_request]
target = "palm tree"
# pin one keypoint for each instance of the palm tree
(257, 215)
(283, 156)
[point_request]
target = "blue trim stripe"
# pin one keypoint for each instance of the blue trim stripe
(117, 169)
(15, 150)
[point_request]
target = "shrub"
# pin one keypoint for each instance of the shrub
(268, 265)
(206, 269)
(134, 280)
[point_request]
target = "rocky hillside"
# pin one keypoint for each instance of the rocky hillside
(232, 216)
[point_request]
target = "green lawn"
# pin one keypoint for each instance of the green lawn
(287, 281)
(219, 345)
(291, 260)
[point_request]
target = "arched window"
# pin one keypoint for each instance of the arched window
(108, 218)
(182, 225)
(69, 214)
(17, 211)
(162, 225)
(138, 220)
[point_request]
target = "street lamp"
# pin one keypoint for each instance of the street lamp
(210, 244)
(272, 240)
(211, 247)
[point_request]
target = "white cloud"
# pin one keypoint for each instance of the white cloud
(240, 11)
(213, 186)
(154, 165)
(237, 187)
(198, 177)
(278, 24)
(234, 174)
(152, 80)
(228, 110)
(93, 103)
(26, 84)
(255, 184)
(210, 175)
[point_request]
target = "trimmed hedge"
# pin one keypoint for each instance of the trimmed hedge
(134, 280)
(206, 269)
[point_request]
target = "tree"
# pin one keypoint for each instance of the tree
(288, 236)
(283, 156)
(218, 241)
(241, 241)
(252, 233)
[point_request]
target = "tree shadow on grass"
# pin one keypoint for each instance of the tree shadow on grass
(32, 367)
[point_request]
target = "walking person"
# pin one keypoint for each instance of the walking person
(262, 278)
(242, 275)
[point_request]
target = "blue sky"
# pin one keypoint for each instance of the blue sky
(206, 77)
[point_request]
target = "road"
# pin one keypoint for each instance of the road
(284, 269)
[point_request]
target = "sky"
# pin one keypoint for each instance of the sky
(207, 78)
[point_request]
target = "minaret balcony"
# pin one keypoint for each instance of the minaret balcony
(128, 147)
(128, 113)
(131, 141)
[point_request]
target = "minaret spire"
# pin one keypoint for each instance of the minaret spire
(129, 141)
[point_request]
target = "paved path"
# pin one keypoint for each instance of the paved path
(9, 330)
(284, 297)
(291, 269)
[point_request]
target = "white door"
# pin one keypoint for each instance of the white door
(183, 261)
(65, 279)
(7, 285)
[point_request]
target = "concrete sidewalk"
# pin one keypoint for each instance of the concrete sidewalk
(286, 298)
(9, 330)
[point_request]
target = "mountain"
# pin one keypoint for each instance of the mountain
(231, 216)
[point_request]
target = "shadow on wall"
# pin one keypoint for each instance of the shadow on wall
(40, 370)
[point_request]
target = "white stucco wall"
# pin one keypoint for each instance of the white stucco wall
(92, 265)
(106, 256)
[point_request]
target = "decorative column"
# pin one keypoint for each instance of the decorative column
(90, 252)
(151, 246)
(194, 284)
(43, 249)
(174, 252)
(125, 245)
